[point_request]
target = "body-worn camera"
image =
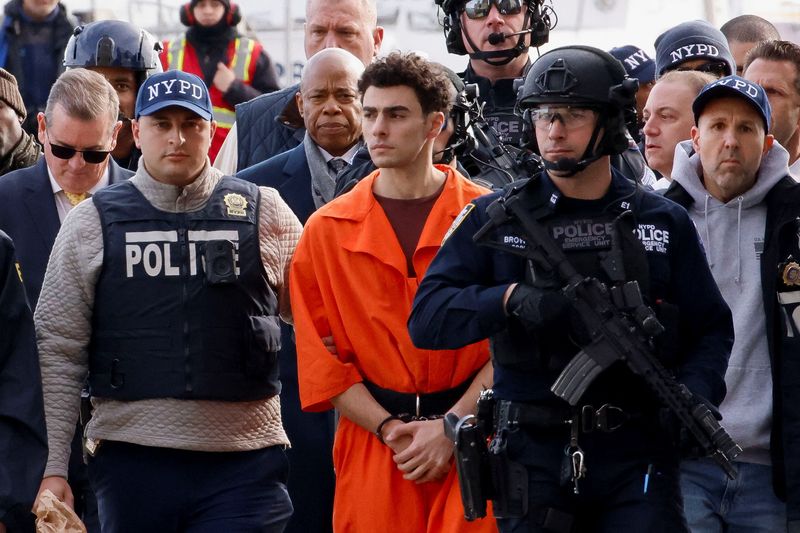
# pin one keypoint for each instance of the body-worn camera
(220, 262)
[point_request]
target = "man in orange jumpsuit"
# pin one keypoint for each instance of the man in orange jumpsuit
(353, 279)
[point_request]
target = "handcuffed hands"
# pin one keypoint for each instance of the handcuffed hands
(427, 457)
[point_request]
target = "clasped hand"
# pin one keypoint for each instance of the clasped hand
(422, 452)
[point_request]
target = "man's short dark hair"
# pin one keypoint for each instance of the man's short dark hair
(749, 29)
(777, 51)
(409, 69)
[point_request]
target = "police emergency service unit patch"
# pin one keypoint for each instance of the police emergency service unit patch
(459, 219)
(236, 204)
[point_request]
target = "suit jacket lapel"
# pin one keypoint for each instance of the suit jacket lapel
(41, 204)
(296, 187)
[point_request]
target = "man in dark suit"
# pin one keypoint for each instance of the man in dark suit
(305, 178)
(78, 130)
(270, 124)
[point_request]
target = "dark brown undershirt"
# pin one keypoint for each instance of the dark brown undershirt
(407, 218)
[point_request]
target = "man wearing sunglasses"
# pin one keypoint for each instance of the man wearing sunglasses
(694, 45)
(78, 129)
(496, 34)
(606, 464)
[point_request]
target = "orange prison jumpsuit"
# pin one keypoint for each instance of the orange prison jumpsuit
(349, 279)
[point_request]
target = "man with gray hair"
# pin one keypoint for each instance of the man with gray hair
(78, 130)
(271, 124)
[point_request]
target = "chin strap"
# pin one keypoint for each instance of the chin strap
(572, 166)
(498, 58)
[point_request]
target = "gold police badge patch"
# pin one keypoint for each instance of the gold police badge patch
(236, 204)
(791, 274)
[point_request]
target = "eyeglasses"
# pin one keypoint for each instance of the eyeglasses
(571, 117)
(92, 157)
(478, 9)
(717, 68)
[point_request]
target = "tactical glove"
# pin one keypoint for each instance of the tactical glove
(537, 309)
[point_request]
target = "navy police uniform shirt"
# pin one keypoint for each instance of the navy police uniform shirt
(500, 102)
(460, 300)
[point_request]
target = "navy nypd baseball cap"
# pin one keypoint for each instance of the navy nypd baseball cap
(174, 88)
(637, 63)
(736, 87)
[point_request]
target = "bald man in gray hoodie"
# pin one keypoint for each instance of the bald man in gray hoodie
(735, 183)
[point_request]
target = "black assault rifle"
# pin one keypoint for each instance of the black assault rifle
(621, 327)
(480, 150)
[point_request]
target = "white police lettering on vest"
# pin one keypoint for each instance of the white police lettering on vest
(691, 50)
(157, 253)
(154, 91)
(586, 234)
(653, 238)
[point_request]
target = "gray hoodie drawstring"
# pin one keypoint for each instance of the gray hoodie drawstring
(708, 234)
(738, 278)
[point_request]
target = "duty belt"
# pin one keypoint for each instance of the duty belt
(606, 418)
(418, 405)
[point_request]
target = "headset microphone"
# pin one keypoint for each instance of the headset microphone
(499, 37)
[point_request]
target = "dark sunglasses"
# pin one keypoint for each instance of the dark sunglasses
(478, 9)
(90, 156)
(717, 68)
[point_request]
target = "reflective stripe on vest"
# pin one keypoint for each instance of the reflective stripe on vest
(240, 65)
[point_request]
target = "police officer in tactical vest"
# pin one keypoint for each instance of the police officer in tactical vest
(167, 289)
(497, 36)
(606, 460)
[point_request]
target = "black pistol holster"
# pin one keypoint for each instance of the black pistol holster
(484, 470)
(470, 436)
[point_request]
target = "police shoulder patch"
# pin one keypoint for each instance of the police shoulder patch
(236, 204)
(458, 220)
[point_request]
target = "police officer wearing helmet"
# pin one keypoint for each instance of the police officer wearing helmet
(496, 34)
(611, 461)
(125, 55)
(166, 289)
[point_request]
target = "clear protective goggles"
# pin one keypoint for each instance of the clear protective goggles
(571, 117)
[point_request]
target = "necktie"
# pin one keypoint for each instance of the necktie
(337, 164)
(75, 198)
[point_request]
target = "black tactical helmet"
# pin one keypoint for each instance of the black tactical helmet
(584, 76)
(537, 20)
(113, 43)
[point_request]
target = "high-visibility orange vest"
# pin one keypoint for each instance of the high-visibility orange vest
(243, 54)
